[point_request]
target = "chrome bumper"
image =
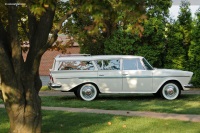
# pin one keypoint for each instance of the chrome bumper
(54, 85)
(189, 86)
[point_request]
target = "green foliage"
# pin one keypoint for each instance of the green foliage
(153, 41)
(158, 8)
(121, 43)
(44, 88)
(151, 44)
(194, 51)
(185, 16)
(95, 21)
(40, 7)
(92, 45)
(174, 58)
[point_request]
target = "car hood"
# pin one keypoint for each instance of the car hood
(172, 72)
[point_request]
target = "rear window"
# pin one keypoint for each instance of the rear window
(76, 65)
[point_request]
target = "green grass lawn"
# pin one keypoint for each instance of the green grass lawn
(65, 122)
(187, 104)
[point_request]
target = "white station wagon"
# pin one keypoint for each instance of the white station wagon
(87, 76)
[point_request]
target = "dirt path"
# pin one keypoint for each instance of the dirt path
(182, 117)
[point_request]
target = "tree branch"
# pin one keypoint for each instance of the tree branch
(24, 28)
(5, 52)
(32, 25)
(14, 42)
(57, 29)
(64, 18)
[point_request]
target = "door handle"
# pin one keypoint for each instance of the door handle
(101, 75)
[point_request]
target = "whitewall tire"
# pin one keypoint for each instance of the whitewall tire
(170, 91)
(88, 92)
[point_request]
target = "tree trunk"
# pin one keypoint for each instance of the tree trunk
(24, 113)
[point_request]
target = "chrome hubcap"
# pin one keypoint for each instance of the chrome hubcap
(170, 91)
(88, 92)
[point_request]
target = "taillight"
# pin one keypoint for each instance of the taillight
(51, 79)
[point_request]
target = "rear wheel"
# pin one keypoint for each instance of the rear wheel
(88, 92)
(170, 91)
(76, 93)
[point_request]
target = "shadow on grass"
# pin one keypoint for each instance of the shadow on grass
(61, 122)
(65, 122)
(125, 97)
(186, 104)
(72, 122)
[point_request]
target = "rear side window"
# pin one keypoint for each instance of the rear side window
(113, 64)
(132, 64)
(76, 65)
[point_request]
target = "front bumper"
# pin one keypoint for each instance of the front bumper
(189, 86)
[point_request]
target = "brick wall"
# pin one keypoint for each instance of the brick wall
(48, 58)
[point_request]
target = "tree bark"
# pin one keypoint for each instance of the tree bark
(20, 81)
(1, 95)
(24, 113)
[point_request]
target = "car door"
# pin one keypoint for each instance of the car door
(135, 76)
(109, 75)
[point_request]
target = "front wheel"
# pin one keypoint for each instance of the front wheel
(170, 91)
(87, 92)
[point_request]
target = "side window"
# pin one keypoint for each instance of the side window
(113, 64)
(147, 65)
(76, 65)
(140, 66)
(99, 64)
(132, 64)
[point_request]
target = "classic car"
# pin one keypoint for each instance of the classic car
(87, 76)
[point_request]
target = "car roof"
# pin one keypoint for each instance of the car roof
(94, 57)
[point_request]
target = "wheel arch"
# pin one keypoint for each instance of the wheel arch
(168, 81)
(78, 86)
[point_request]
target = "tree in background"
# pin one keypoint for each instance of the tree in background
(153, 41)
(120, 43)
(96, 21)
(174, 51)
(179, 39)
(194, 51)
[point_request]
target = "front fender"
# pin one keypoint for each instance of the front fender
(157, 86)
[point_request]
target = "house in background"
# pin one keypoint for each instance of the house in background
(47, 62)
(48, 57)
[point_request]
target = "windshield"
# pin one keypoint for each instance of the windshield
(147, 65)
